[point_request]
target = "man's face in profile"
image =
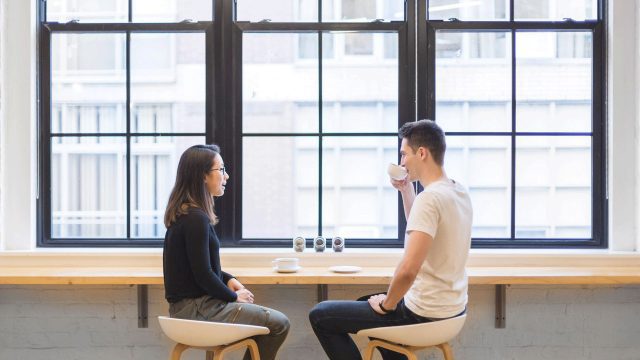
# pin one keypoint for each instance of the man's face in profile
(409, 159)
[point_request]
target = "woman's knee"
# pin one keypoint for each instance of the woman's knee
(278, 323)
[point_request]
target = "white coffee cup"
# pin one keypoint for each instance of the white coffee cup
(285, 264)
(396, 172)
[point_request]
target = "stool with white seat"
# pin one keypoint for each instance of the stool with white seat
(409, 339)
(215, 338)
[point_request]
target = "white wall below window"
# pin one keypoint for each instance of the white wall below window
(98, 322)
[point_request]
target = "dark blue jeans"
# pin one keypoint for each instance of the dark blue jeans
(333, 321)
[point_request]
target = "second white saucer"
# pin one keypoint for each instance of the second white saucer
(345, 269)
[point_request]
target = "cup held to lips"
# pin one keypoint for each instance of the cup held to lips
(286, 264)
(396, 172)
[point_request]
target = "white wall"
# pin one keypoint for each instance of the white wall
(96, 322)
(623, 91)
(17, 130)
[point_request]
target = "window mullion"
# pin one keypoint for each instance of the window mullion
(511, 10)
(513, 132)
(320, 121)
(128, 211)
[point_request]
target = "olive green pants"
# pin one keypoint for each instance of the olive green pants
(206, 308)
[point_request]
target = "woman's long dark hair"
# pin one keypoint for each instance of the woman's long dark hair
(190, 190)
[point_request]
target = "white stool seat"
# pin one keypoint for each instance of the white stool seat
(419, 335)
(205, 333)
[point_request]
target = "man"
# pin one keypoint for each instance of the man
(430, 283)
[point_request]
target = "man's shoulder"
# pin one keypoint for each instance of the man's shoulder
(443, 193)
(427, 197)
(435, 191)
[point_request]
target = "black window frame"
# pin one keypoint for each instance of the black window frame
(232, 30)
(223, 122)
(427, 109)
(45, 32)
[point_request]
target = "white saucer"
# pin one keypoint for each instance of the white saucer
(291, 270)
(345, 269)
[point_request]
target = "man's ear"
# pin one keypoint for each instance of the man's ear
(424, 153)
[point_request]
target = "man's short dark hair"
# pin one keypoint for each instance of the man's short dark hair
(427, 134)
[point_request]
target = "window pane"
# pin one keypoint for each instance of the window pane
(88, 83)
(362, 10)
(171, 10)
(307, 46)
(473, 86)
(279, 187)
(355, 10)
(469, 9)
(277, 10)
(87, 10)
(483, 165)
(555, 10)
(553, 187)
(393, 10)
(168, 83)
(89, 178)
(275, 86)
(358, 200)
(553, 86)
(390, 47)
(355, 97)
(154, 161)
(360, 116)
(358, 44)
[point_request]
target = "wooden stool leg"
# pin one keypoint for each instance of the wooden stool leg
(238, 345)
(253, 349)
(408, 352)
(411, 355)
(177, 351)
(368, 352)
(209, 355)
(219, 354)
(446, 350)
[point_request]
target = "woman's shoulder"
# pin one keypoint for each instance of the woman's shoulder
(196, 213)
(193, 215)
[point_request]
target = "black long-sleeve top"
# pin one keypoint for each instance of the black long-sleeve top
(191, 260)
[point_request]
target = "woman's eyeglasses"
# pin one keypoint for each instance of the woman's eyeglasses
(222, 170)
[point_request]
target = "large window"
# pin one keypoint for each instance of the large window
(518, 88)
(305, 98)
(318, 112)
(123, 93)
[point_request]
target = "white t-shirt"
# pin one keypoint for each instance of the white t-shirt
(442, 210)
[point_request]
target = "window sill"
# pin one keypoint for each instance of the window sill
(251, 257)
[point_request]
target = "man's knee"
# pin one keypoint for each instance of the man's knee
(318, 313)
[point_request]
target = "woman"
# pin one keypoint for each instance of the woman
(195, 285)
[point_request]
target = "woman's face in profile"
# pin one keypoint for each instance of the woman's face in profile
(216, 178)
